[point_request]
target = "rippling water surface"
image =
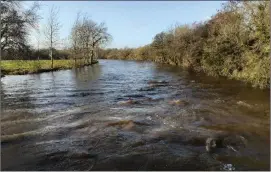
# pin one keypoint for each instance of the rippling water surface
(126, 115)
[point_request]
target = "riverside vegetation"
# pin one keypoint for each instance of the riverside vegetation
(234, 43)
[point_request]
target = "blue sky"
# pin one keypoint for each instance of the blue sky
(131, 23)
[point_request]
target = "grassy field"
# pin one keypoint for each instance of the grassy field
(20, 67)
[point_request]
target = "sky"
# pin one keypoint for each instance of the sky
(131, 23)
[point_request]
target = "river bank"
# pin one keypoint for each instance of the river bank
(217, 47)
(21, 67)
(246, 77)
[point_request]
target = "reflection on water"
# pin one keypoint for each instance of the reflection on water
(126, 115)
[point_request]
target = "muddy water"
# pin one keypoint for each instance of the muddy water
(125, 115)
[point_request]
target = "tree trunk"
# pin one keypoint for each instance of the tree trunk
(38, 54)
(85, 56)
(51, 56)
(92, 55)
(89, 56)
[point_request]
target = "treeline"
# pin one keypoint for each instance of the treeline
(85, 39)
(33, 54)
(234, 43)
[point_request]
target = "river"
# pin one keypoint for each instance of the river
(128, 115)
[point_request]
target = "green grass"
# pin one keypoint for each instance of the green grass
(20, 67)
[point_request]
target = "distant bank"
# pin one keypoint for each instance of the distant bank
(21, 67)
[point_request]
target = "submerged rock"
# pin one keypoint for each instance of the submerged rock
(219, 101)
(123, 124)
(128, 124)
(127, 102)
(236, 141)
(151, 88)
(153, 83)
(244, 104)
(231, 142)
(120, 123)
(210, 144)
(178, 102)
(157, 82)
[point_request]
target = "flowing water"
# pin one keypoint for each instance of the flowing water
(127, 115)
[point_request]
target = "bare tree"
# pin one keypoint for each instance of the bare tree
(99, 36)
(75, 37)
(87, 36)
(52, 31)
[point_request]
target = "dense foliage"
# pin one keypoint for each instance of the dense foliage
(233, 43)
(15, 23)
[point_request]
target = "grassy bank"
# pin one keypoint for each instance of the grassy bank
(20, 67)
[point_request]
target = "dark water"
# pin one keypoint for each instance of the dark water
(125, 115)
